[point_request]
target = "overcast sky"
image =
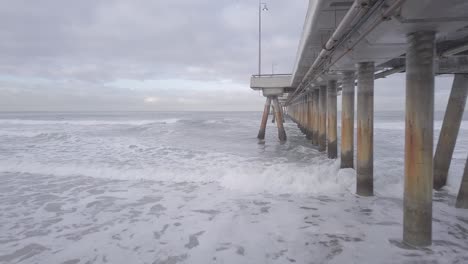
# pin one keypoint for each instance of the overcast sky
(151, 54)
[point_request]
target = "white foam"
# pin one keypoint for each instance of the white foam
(321, 176)
(230, 158)
(5, 133)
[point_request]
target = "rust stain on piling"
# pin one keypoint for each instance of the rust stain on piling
(279, 120)
(315, 139)
(347, 120)
(322, 118)
(365, 130)
(417, 214)
(266, 112)
(347, 138)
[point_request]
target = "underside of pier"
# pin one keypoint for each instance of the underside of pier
(348, 43)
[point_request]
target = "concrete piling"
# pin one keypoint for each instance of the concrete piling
(279, 120)
(331, 120)
(282, 113)
(417, 214)
(347, 121)
(292, 112)
(301, 115)
(365, 130)
(322, 118)
(315, 128)
(273, 119)
(266, 112)
(450, 127)
(305, 116)
(462, 198)
(310, 115)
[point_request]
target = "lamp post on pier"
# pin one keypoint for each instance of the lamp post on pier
(261, 7)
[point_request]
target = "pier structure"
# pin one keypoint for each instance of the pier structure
(347, 120)
(273, 87)
(345, 46)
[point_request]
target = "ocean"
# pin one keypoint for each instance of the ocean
(198, 187)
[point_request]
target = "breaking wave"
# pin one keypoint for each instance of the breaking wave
(322, 176)
(209, 148)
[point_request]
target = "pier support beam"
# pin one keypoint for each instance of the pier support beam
(322, 118)
(331, 117)
(301, 114)
(282, 113)
(266, 112)
(347, 121)
(310, 115)
(279, 119)
(417, 213)
(365, 130)
(273, 111)
(450, 127)
(462, 198)
(304, 115)
(315, 128)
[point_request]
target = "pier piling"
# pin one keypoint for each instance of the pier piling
(322, 118)
(301, 120)
(273, 119)
(310, 115)
(450, 127)
(347, 121)
(462, 198)
(304, 115)
(417, 213)
(365, 130)
(331, 118)
(266, 112)
(279, 119)
(315, 128)
(307, 116)
(282, 113)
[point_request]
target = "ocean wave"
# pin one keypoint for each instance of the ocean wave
(26, 134)
(87, 122)
(320, 177)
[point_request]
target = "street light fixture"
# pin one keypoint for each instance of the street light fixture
(261, 7)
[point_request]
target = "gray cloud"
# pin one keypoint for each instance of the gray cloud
(69, 54)
(105, 40)
(147, 54)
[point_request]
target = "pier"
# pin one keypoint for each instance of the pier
(345, 46)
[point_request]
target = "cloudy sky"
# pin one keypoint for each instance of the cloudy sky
(151, 54)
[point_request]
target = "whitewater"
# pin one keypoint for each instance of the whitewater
(198, 187)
